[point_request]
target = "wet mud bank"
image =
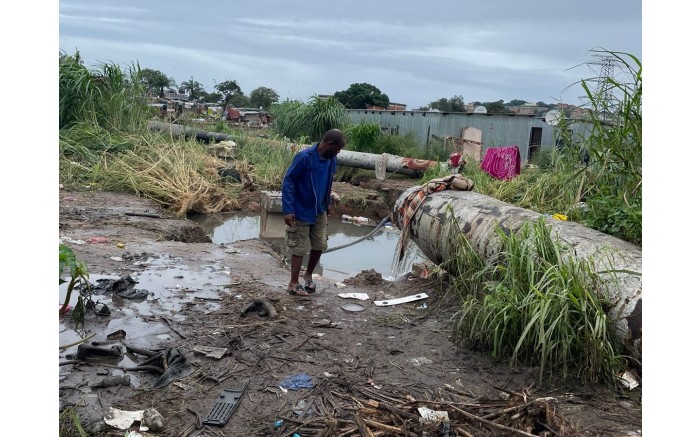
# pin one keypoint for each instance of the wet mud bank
(190, 325)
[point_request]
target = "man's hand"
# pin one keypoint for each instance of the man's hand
(290, 220)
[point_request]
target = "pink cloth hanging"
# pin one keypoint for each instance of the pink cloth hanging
(502, 162)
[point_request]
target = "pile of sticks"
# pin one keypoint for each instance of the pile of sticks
(368, 412)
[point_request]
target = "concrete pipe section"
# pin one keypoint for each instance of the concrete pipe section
(478, 215)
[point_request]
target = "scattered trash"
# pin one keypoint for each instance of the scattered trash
(400, 300)
(296, 382)
(120, 245)
(278, 424)
(225, 406)
(361, 296)
(123, 287)
(263, 306)
(210, 351)
(432, 415)
(71, 241)
(98, 240)
(628, 380)
(117, 335)
(353, 307)
(340, 285)
(422, 306)
(300, 407)
(153, 419)
(177, 367)
(561, 217)
(111, 381)
(149, 419)
(116, 258)
(88, 351)
(420, 361)
(370, 381)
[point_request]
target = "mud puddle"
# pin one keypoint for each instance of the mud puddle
(345, 257)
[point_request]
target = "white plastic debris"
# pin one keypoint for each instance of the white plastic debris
(400, 300)
(340, 285)
(361, 296)
(628, 380)
(432, 415)
(420, 361)
(124, 419)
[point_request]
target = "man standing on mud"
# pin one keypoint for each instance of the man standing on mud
(306, 200)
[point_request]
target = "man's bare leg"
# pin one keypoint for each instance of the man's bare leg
(314, 257)
(296, 269)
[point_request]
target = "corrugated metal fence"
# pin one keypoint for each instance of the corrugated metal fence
(496, 129)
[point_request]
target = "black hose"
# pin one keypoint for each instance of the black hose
(374, 231)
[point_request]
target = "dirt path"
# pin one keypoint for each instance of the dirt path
(368, 371)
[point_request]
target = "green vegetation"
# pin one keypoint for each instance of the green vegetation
(78, 277)
(603, 191)
(534, 303)
(307, 122)
(362, 96)
(69, 423)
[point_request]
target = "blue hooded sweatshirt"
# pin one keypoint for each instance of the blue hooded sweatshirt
(306, 187)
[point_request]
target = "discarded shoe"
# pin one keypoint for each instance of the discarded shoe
(309, 285)
(297, 291)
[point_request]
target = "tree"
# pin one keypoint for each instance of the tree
(263, 97)
(362, 96)
(232, 94)
(211, 97)
(516, 102)
(193, 89)
(454, 104)
(496, 107)
(155, 81)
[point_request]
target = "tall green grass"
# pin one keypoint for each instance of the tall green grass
(613, 188)
(270, 159)
(108, 96)
(302, 122)
(534, 304)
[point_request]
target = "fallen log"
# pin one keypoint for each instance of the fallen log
(478, 215)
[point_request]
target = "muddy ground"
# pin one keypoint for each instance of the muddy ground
(215, 317)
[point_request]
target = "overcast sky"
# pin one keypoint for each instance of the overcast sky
(414, 51)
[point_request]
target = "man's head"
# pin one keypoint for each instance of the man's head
(331, 144)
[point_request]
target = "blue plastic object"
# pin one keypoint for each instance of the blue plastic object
(296, 382)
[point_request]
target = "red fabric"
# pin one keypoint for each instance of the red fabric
(502, 162)
(455, 159)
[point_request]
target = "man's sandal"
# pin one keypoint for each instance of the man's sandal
(309, 285)
(297, 291)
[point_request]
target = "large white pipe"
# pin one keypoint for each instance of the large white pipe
(477, 216)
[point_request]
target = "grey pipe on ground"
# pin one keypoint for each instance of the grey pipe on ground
(477, 216)
(379, 162)
(178, 130)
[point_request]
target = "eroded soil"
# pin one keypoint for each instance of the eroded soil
(370, 370)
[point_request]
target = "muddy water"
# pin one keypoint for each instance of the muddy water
(377, 252)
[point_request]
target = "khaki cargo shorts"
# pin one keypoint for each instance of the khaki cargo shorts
(304, 236)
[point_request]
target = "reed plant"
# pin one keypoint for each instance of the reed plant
(301, 122)
(534, 304)
(613, 188)
(106, 96)
(180, 176)
(270, 159)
